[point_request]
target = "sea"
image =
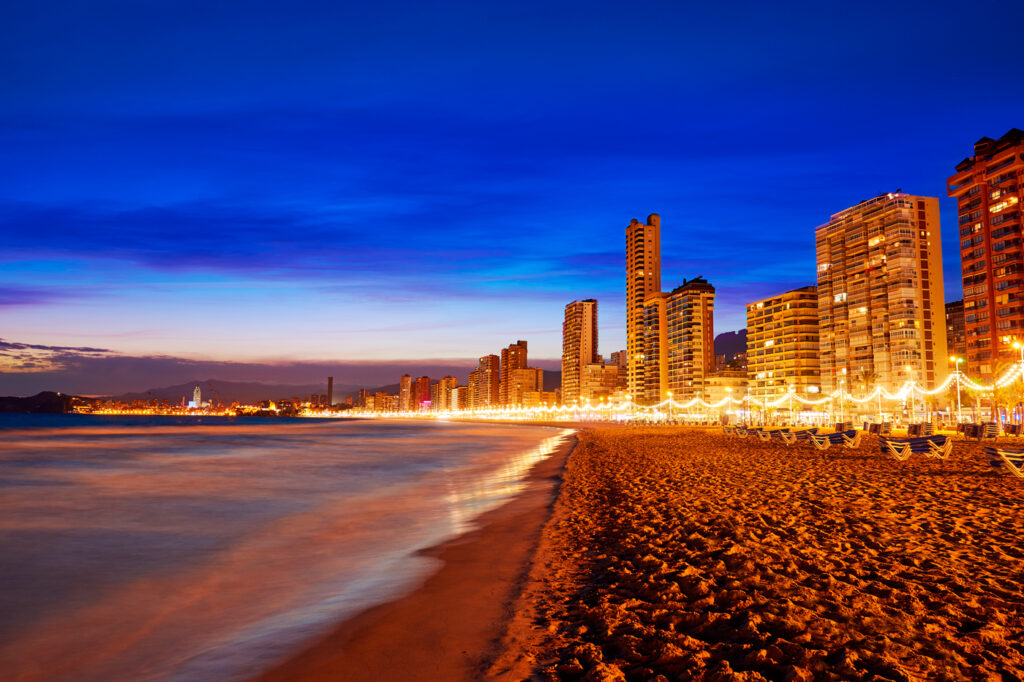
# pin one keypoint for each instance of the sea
(210, 548)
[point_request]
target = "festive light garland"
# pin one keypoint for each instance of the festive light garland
(909, 390)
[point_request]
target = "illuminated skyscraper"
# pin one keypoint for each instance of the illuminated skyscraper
(643, 278)
(989, 189)
(485, 381)
(512, 358)
(654, 387)
(197, 396)
(579, 345)
(420, 393)
(405, 393)
(782, 344)
(881, 309)
(690, 314)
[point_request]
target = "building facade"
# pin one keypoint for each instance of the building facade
(988, 190)
(643, 278)
(654, 385)
(420, 394)
(782, 344)
(521, 381)
(405, 393)
(485, 381)
(579, 345)
(881, 308)
(690, 313)
(512, 358)
(956, 333)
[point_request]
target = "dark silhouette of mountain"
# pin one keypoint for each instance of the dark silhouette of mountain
(731, 343)
(228, 392)
(552, 379)
(45, 402)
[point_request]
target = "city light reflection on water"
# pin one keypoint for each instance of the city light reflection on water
(157, 552)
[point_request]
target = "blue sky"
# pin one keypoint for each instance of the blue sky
(269, 183)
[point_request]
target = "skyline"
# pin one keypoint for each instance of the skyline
(213, 185)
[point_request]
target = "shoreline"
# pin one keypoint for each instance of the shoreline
(452, 625)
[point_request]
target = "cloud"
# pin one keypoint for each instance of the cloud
(26, 369)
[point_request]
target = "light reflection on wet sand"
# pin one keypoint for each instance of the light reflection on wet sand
(156, 553)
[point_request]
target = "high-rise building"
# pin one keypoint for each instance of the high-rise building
(690, 313)
(989, 188)
(579, 345)
(956, 333)
(521, 381)
(881, 308)
(643, 278)
(679, 341)
(512, 358)
(330, 392)
(600, 380)
(405, 393)
(420, 394)
(444, 393)
(485, 381)
(782, 344)
(654, 386)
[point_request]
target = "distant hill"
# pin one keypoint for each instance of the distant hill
(552, 379)
(238, 391)
(45, 402)
(731, 343)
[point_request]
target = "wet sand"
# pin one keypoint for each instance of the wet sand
(677, 553)
(451, 627)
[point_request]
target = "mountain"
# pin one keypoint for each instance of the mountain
(552, 379)
(45, 402)
(731, 343)
(238, 391)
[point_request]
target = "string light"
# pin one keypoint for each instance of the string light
(659, 410)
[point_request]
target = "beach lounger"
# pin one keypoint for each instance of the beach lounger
(779, 434)
(929, 446)
(789, 437)
(852, 442)
(729, 430)
(849, 439)
(1006, 460)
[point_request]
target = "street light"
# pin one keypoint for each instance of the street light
(670, 406)
(910, 372)
(791, 420)
(1020, 346)
(842, 384)
(956, 362)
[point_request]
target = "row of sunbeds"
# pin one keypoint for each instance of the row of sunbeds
(848, 439)
(937, 446)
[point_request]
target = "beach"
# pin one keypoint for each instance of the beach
(677, 553)
(452, 626)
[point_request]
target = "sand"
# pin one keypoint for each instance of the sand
(677, 553)
(451, 627)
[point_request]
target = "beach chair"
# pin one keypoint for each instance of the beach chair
(852, 442)
(843, 438)
(930, 446)
(790, 437)
(740, 431)
(729, 430)
(779, 434)
(1005, 460)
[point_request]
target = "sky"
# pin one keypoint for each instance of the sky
(256, 186)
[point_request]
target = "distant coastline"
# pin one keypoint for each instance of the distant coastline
(47, 402)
